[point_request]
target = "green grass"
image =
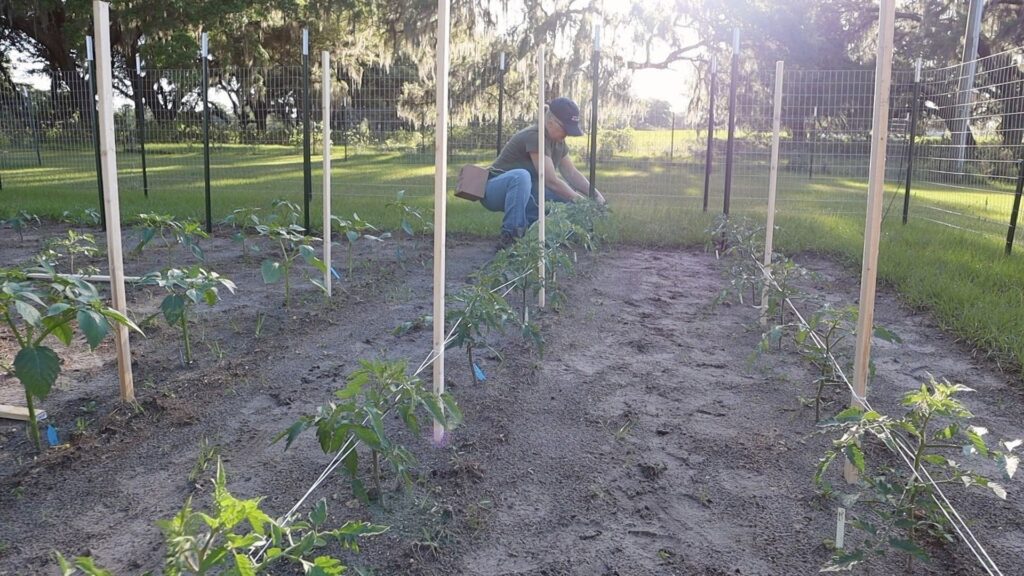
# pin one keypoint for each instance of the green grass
(961, 276)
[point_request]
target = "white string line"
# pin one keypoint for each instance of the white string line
(352, 443)
(903, 450)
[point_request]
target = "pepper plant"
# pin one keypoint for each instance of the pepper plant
(353, 229)
(237, 537)
(81, 218)
(244, 221)
(72, 245)
(896, 507)
(372, 392)
(186, 233)
(33, 311)
(187, 288)
(292, 244)
(410, 217)
(21, 221)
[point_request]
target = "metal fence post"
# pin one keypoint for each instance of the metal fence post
(307, 168)
(91, 57)
(501, 102)
(672, 141)
(709, 156)
(32, 127)
(140, 121)
(1016, 207)
(731, 144)
(595, 81)
(205, 53)
(810, 142)
(915, 108)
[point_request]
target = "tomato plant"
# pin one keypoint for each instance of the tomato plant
(373, 391)
(238, 537)
(897, 506)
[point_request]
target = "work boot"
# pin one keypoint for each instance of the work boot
(507, 239)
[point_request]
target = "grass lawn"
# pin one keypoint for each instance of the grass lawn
(949, 258)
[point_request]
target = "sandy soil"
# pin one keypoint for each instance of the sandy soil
(643, 442)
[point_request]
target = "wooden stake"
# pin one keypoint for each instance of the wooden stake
(541, 192)
(873, 220)
(111, 203)
(19, 413)
(773, 177)
(325, 88)
(440, 199)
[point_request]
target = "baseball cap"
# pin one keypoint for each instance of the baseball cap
(568, 113)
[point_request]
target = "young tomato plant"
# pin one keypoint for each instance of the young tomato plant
(185, 289)
(238, 537)
(292, 244)
(482, 311)
(34, 310)
(81, 218)
(898, 506)
(358, 412)
(353, 230)
(410, 217)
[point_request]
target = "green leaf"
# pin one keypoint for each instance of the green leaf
(844, 562)
(244, 565)
(997, 490)
(855, 455)
(94, 326)
(272, 272)
(974, 434)
(851, 414)
(59, 327)
(352, 235)
(883, 333)
(37, 368)
(908, 547)
(319, 513)
(406, 227)
(173, 308)
(1009, 463)
(28, 313)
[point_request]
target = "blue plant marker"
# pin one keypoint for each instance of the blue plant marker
(51, 435)
(335, 273)
(480, 376)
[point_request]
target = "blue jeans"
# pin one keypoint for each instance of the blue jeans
(515, 193)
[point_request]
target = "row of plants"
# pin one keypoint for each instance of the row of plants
(895, 505)
(236, 536)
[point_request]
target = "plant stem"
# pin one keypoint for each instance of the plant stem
(184, 333)
(376, 476)
(472, 365)
(33, 425)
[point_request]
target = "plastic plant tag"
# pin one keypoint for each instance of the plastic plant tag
(840, 528)
(51, 435)
(335, 273)
(479, 373)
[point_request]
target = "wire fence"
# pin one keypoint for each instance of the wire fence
(968, 119)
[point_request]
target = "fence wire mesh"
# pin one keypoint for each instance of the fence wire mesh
(969, 124)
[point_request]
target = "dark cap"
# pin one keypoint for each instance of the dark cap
(568, 113)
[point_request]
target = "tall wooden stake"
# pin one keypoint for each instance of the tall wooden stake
(440, 199)
(111, 203)
(873, 220)
(541, 163)
(325, 88)
(773, 177)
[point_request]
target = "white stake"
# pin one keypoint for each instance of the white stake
(440, 199)
(111, 203)
(325, 88)
(541, 163)
(873, 220)
(773, 177)
(841, 529)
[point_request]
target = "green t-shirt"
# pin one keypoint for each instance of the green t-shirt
(516, 154)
